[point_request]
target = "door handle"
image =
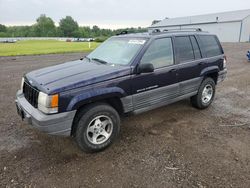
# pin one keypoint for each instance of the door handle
(173, 70)
(201, 63)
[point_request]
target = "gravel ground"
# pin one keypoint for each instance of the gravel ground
(174, 146)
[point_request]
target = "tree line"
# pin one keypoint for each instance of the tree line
(68, 27)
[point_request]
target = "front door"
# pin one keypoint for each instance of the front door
(157, 88)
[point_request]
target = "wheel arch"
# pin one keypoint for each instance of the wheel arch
(114, 101)
(211, 72)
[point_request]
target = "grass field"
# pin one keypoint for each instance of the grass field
(35, 47)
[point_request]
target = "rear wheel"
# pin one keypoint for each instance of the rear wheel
(205, 94)
(97, 127)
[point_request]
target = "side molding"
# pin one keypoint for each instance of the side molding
(127, 103)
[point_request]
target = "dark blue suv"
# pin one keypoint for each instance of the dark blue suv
(127, 74)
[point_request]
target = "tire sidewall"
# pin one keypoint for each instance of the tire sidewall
(84, 121)
(203, 85)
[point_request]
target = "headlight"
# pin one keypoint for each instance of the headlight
(22, 82)
(225, 62)
(48, 103)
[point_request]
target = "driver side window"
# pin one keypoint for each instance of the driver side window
(159, 53)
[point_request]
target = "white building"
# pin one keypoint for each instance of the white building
(231, 26)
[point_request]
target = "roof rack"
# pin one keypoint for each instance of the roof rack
(184, 29)
(122, 33)
(177, 30)
(156, 31)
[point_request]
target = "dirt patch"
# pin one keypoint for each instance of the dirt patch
(174, 146)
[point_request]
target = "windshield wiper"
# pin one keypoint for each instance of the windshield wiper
(100, 60)
(85, 57)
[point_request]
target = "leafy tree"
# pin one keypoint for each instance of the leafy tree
(69, 27)
(45, 26)
(59, 32)
(3, 34)
(96, 31)
(3, 28)
(85, 32)
(19, 31)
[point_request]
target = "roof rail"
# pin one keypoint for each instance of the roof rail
(156, 31)
(177, 30)
(122, 33)
(184, 29)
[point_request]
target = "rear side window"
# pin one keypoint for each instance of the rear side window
(159, 53)
(197, 52)
(184, 49)
(210, 45)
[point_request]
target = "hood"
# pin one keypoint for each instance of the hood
(73, 74)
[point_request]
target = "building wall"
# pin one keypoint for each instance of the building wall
(245, 34)
(227, 32)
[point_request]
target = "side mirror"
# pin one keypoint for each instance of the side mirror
(145, 68)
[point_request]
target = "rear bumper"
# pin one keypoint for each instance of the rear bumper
(222, 76)
(56, 124)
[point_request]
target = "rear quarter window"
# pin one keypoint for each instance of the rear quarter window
(210, 45)
(196, 48)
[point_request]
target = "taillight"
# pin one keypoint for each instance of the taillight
(225, 62)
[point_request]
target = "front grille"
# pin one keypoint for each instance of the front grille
(30, 94)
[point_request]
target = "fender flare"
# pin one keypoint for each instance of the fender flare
(93, 95)
(209, 70)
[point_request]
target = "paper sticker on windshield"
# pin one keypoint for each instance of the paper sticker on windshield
(136, 42)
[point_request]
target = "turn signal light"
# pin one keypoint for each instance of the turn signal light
(54, 101)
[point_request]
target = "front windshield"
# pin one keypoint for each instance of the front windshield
(118, 50)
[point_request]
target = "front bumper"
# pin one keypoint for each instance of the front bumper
(222, 75)
(56, 124)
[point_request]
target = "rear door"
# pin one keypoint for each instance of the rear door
(212, 50)
(189, 59)
(157, 88)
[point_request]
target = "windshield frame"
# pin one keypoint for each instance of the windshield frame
(128, 38)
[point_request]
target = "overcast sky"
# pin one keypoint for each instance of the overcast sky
(111, 13)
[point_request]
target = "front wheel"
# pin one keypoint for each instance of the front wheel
(205, 95)
(97, 127)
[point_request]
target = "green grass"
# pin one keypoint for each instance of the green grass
(36, 47)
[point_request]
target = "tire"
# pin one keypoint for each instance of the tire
(97, 126)
(199, 101)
